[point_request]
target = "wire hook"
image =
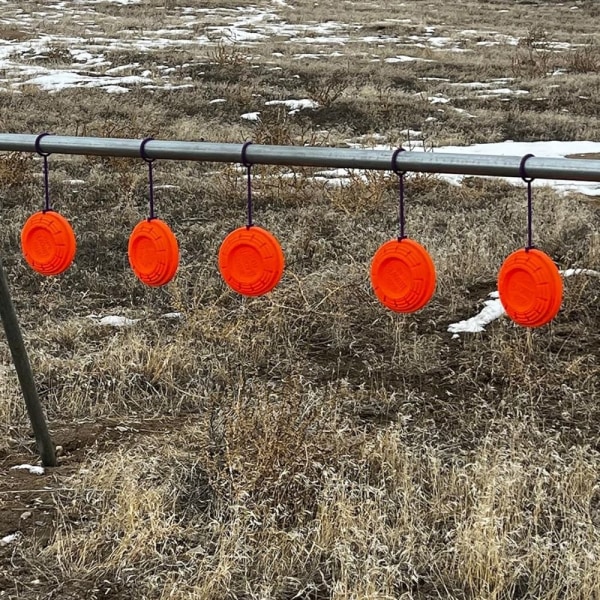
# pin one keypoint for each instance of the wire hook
(528, 181)
(149, 160)
(401, 217)
(248, 166)
(45, 156)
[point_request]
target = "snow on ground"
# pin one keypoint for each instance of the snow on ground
(571, 272)
(172, 315)
(35, 470)
(113, 320)
(294, 105)
(548, 149)
(500, 92)
(493, 309)
(60, 80)
(9, 539)
(438, 99)
(401, 58)
(25, 59)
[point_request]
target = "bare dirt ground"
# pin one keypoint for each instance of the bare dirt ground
(308, 444)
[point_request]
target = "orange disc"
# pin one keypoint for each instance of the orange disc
(530, 287)
(48, 242)
(403, 275)
(153, 252)
(251, 261)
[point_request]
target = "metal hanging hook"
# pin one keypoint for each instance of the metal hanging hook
(528, 181)
(248, 166)
(401, 216)
(150, 175)
(45, 156)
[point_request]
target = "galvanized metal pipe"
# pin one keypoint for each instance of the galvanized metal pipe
(25, 374)
(311, 156)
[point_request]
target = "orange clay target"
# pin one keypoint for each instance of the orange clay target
(153, 252)
(251, 261)
(48, 243)
(530, 287)
(403, 275)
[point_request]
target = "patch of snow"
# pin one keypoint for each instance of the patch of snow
(115, 89)
(169, 86)
(33, 469)
(115, 70)
(467, 114)
(401, 58)
(454, 49)
(294, 105)
(172, 315)
(55, 81)
(439, 42)
(493, 308)
(439, 99)
(312, 56)
(506, 91)
(341, 172)
(571, 272)
(116, 321)
(9, 539)
(341, 41)
(472, 84)
(232, 35)
(86, 57)
(122, 2)
(251, 116)
(412, 132)
(558, 45)
(548, 149)
(217, 101)
(491, 311)
(500, 39)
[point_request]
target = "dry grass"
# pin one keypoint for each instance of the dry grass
(316, 446)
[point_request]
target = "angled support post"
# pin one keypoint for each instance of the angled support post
(25, 374)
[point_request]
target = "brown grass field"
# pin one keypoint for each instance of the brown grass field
(308, 444)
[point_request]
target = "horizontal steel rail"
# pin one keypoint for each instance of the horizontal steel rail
(310, 156)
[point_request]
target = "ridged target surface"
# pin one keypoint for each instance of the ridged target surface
(251, 261)
(403, 275)
(153, 252)
(530, 287)
(48, 242)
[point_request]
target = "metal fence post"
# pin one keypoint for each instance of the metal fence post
(25, 374)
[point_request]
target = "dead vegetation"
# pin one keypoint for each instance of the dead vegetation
(309, 444)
